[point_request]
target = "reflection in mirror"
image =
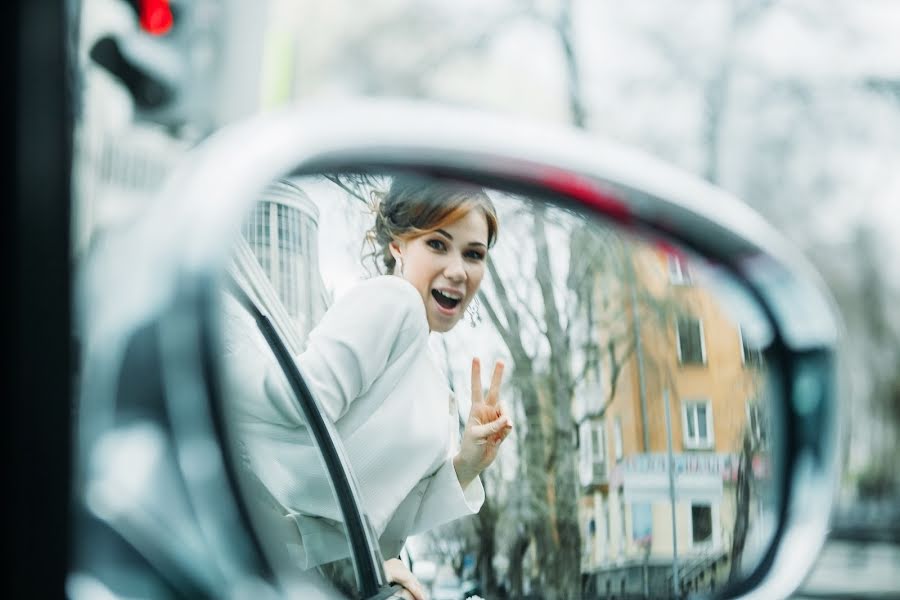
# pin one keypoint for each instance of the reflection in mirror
(638, 462)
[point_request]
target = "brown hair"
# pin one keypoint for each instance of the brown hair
(416, 205)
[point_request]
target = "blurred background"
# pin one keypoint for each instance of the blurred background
(793, 106)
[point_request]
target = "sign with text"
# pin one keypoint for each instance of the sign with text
(720, 465)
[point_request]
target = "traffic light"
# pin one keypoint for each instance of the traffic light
(166, 60)
(155, 17)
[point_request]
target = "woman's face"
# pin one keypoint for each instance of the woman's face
(446, 267)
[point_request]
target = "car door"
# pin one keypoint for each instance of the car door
(352, 564)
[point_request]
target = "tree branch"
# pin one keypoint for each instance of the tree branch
(512, 337)
(504, 332)
(544, 276)
(335, 179)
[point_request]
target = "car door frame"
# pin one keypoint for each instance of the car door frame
(365, 551)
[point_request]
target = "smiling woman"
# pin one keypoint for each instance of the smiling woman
(436, 235)
(369, 367)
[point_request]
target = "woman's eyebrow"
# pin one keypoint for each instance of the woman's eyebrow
(450, 237)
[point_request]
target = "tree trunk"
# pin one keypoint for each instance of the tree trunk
(534, 440)
(486, 528)
(567, 558)
(570, 59)
(535, 473)
(515, 572)
(564, 563)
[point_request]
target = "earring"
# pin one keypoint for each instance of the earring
(473, 311)
(400, 266)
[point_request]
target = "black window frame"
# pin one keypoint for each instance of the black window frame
(708, 523)
(699, 357)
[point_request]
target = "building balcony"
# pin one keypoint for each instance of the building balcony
(593, 474)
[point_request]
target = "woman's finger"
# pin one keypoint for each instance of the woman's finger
(416, 590)
(498, 437)
(498, 414)
(476, 380)
(404, 594)
(494, 391)
(482, 432)
(398, 572)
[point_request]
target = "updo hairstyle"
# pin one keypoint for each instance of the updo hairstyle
(416, 205)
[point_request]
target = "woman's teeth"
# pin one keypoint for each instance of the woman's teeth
(447, 300)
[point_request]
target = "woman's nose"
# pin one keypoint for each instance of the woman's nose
(456, 269)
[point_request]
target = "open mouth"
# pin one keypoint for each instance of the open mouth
(446, 300)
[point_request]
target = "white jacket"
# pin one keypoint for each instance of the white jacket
(370, 367)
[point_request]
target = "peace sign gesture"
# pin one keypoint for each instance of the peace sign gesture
(487, 427)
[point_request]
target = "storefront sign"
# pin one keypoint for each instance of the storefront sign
(720, 465)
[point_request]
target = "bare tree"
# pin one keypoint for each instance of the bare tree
(569, 320)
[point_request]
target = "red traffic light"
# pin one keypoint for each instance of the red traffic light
(155, 16)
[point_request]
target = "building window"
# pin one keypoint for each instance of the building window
(698, 431)
(690, 344)
(617, 437)
(589, 537)
(592, 443)
(593, 393)
(642, 524)
(598, 449)
(701, 523)
(584, 443)
(279, 237)
(678, 270)
(750, 357)
(606, 524)
(593, 452)
(256, 232)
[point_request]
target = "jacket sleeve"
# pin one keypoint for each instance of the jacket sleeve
(444, 500)
(354, 342)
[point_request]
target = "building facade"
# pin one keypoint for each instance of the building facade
(662, 426)
(282, 232)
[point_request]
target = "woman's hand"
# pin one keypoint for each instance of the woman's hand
(487, 427)
(397, 572)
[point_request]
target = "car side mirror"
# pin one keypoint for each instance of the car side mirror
(671, 360)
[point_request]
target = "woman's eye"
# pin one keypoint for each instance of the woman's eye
(436, 244)
(475, 255)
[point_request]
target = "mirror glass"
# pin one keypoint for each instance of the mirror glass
(639, 460)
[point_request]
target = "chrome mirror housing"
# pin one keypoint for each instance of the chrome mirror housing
(155, 462)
